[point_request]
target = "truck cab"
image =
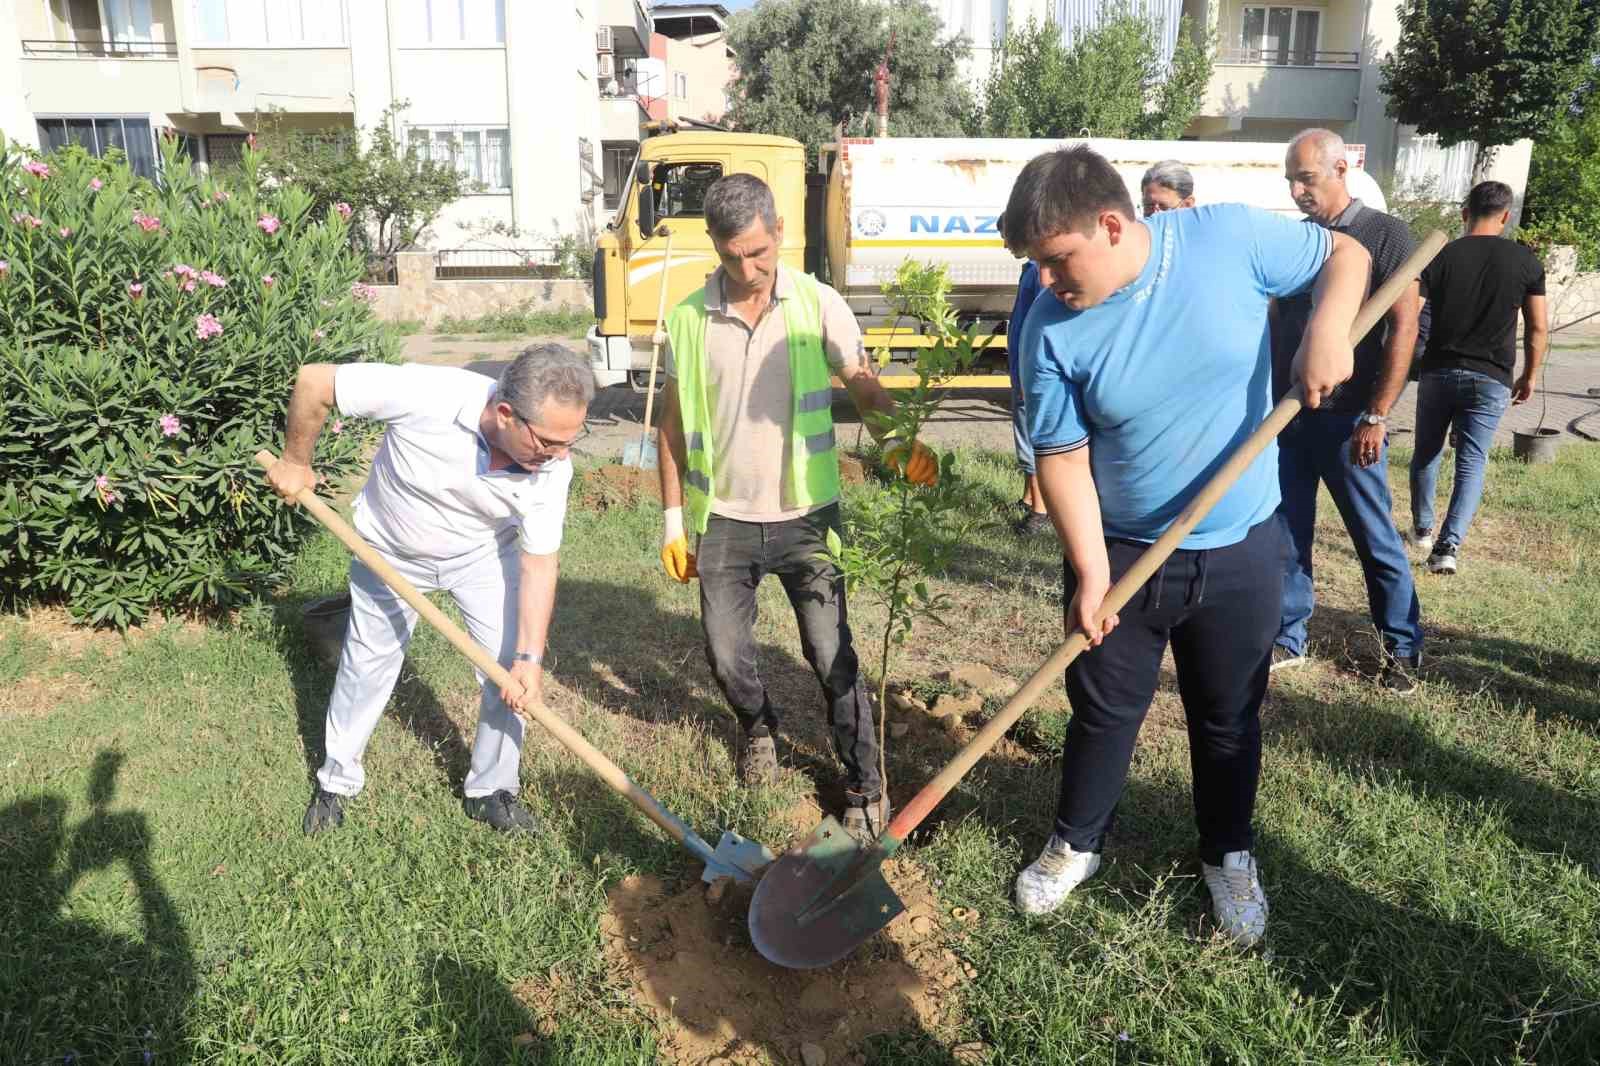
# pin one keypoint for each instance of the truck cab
(665, 201)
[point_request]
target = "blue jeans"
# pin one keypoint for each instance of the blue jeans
(1316, 448)
(1019, 420)
(1474, 403)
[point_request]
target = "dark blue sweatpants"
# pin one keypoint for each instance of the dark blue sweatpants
(1218, 608)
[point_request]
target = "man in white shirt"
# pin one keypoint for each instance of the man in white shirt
(467, 494)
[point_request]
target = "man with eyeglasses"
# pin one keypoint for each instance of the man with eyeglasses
(468, 494)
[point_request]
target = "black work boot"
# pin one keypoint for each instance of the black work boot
(325, 811)
(502, 810)
(867, 821)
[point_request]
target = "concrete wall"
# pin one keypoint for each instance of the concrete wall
(1316, 96)
(1570, 295)
(706, 65)
(419, 297)
(262, 79)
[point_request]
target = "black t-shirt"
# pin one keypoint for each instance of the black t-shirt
(1389, 242)
(1476, 286)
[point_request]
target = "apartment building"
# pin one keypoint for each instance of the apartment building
(508, 90)
(1280, 68)
(682, 74)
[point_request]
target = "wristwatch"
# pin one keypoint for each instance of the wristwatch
(528, 657)
(1368, 418)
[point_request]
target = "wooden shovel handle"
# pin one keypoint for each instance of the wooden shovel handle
(570, 738)
(1149, 562)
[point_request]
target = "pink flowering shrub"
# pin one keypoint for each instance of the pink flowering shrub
(139, 382)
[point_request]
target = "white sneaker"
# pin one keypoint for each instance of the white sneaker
(1423, 542)
(1442, 562)
(1044, 885)
(1237, 901)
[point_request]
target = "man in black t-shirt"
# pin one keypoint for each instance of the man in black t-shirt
(1343, 443)
(1476, 287)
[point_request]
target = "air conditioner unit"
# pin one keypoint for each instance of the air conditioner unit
(602, 39)
(608, 67)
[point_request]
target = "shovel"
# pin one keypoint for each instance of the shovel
(643, 454)
(734, 856)
(825, 897)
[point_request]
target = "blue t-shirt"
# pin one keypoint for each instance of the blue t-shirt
(1166, 377)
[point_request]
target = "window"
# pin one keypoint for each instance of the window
(100, 134)
(1281, 35)
(680, 188)
(116, 26)
(617, 168)
(482, 153)
(224, 150)
(265, 22)
(680, 86)
(471, 22)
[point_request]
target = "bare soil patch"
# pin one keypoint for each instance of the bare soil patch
(685, 954)
(615, 485)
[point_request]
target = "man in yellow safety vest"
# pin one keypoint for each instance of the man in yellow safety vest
(749, 465)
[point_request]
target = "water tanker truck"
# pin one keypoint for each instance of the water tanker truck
(872, 204)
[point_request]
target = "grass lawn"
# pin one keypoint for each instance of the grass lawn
(1433, 864)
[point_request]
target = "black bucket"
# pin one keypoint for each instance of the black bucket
(1536, 447)
(324, 622)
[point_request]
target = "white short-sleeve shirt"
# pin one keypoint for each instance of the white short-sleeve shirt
(429, 495)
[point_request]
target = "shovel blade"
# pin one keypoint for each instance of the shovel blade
(641, 454)
(818, 903)
(737, 857)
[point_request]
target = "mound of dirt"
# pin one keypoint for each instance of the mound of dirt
(686, 953)
(615, 485)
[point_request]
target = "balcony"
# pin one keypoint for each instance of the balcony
(621, 117)
(305, 79)
(1283, 57)
(629, 24)
(82, 76)
(1320, 86)
(99, 48)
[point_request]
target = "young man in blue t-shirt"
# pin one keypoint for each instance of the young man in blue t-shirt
(1149, 368)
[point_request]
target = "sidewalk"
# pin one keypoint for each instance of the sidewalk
(1568, 375)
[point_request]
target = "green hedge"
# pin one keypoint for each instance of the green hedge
(149, 338)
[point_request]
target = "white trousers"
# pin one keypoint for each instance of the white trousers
(484, 586)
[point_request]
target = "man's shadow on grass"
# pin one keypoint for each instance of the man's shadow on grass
(309, 649)
(1371, 743)
(72, 990)
(617, 649)
(488, 1021)
(1448, 989)
(1558, 688)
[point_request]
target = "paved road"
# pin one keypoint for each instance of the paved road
(982, 418)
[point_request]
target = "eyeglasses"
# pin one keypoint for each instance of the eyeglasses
(551, 447)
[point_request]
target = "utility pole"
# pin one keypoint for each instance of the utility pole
(881, 81)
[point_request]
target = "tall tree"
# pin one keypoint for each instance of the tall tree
(807, 65)
(1563, 200)
(1111, 81)
(1490, 71)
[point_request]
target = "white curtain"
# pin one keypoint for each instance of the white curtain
(128, 21)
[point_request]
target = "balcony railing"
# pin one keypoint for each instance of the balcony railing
(1286, 57)
(461, 264)
(98, 48)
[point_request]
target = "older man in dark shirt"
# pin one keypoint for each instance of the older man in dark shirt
(1343, 443)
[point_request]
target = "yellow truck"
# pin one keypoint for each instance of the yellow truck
(873, 203)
